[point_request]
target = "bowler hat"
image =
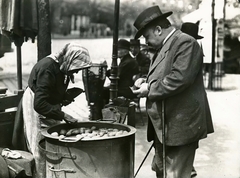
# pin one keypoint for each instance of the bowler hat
(191, 29)
(134, 42)
(123, 44)
(148, 15)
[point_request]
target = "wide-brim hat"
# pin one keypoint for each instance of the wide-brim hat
(123, 44)
(191, 29)
(147, 16)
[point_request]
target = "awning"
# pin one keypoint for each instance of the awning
(19, 22)
(19, 18)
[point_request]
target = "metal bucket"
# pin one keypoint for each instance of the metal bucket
(111, 157)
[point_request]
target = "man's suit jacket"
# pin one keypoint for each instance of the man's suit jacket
(175, 76)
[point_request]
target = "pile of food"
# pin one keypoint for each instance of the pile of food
(87, 133)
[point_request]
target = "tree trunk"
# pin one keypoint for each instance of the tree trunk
(44, 29)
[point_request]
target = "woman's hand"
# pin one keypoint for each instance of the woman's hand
(69, 119)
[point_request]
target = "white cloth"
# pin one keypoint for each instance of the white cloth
(31, 121)
(32, 130)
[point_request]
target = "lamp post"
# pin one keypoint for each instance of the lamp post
(114, 66)
(212, 66)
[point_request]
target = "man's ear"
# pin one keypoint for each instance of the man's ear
(158, 30)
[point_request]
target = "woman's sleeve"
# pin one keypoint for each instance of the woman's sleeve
(45, 82)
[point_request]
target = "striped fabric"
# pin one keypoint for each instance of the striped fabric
(74, 57)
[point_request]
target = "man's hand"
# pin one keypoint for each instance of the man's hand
(69, 119)
(139, 82)
(142, 91)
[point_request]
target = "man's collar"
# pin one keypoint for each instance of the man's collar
(131, 54)
(168, 36)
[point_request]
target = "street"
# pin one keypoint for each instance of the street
(218, 156)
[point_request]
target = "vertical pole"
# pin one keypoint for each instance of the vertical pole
(163, 140)
(114, 66)
(19, 67)
(18, 41)
(224, 11)
(212, 66)
(44, 30)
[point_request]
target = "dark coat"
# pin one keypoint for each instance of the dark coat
(128, 67)
(47, 82)
(175, 76)
(144, 62)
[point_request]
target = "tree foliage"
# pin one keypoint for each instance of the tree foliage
(102, 11)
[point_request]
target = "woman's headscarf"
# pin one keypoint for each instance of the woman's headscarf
(73, 57)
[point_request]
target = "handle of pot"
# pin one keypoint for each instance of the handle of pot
(70, 139)
(59, 155)
(51, 168)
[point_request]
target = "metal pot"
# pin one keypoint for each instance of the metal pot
(111, 157)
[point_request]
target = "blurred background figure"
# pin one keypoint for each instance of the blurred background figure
(127, 69)
(140, 53)
(192, 30)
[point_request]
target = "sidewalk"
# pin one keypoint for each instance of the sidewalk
(218, 156)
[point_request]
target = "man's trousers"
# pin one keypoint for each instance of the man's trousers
(179, 159)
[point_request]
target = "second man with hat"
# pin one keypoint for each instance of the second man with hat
(140, 53)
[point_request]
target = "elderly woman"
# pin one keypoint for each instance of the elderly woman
(44, 96)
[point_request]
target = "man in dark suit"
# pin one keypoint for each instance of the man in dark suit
(140, 53)
(127, 68)
(174, 80)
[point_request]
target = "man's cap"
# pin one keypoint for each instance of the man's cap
(123, 44)
(148, 15)
(134, 42)
(191, 29)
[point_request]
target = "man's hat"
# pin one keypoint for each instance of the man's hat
(123, 44)
(191, 29)
(134, 42)
(148, 15)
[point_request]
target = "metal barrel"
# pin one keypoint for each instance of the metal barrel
(111, 157)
